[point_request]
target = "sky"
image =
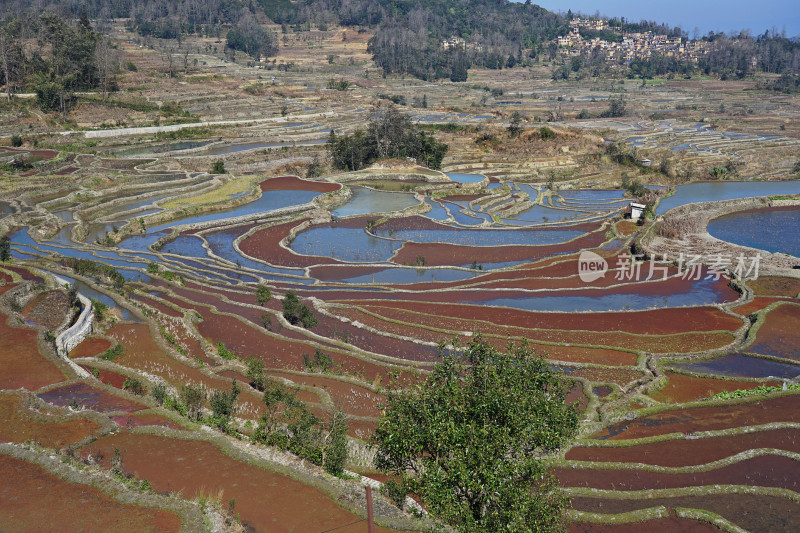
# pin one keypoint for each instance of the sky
(706, 15)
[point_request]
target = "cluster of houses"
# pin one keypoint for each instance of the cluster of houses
(632, 45)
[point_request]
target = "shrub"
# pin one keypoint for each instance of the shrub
(718, 172)
(99, 309)
(263, 294)
(322, 362)
(91, 268)
(112, 353)
(396, 491)
(16, 141)
(223, 405)
(192, 397)
(133, 385)
(5, 248)
(224, 352)
(546, 134)
(218, 167)
(159, 393)
(338, 85)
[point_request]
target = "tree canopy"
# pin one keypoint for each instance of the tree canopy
(389, 134)
(470, 440)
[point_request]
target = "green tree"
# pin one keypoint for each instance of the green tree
(263, 294)
(255, 372)
(223, 405)
(514, 128)
(296, 312)
(72, 295)
(616, 107)
(218, 167)
(391, 134)
(470, 439)
(5, 248)
(335, 449)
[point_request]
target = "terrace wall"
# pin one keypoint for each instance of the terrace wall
(75, 334)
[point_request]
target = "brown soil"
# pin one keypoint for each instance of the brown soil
(266, 501)
(775, 286)
(353, 399)
(21, 363)
(762, 471)
(35, 155)
(692, 452)
(264, 245)
(20, 424)
(90, 347)
(660, 524)
(682, 388)
(779, 334)
(756, 304)
(685, 342)
(165, 309)
(89, 397)
(620, 376)
(782, 409)
(626, 227)
(64, 506)
(578, 397)
(327, 327)
(108, 377)
(442, 254)
(47, 309)
(132, 421)
(650, 322)
(25, 274)
(779, 514)
(293, 183)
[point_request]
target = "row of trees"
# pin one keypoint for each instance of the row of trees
(389, 135)
(54, 58)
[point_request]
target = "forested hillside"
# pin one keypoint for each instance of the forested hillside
(429, 39)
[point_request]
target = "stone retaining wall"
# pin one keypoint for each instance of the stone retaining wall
(75, 334)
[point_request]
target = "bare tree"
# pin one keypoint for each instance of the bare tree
(106, 59)
(186, 60)
(10, 56)
(170, 59)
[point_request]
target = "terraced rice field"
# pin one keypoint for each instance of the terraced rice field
(680, 382)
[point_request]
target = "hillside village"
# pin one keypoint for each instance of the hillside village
(631, 45)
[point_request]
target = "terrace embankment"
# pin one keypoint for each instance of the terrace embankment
(684, 229)
(689, 452)
(688, 420)
(65, 506)
(265, 501)
(783, 515)
(21, 362)
(21, 423)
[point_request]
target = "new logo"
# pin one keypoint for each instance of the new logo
(591, 266)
